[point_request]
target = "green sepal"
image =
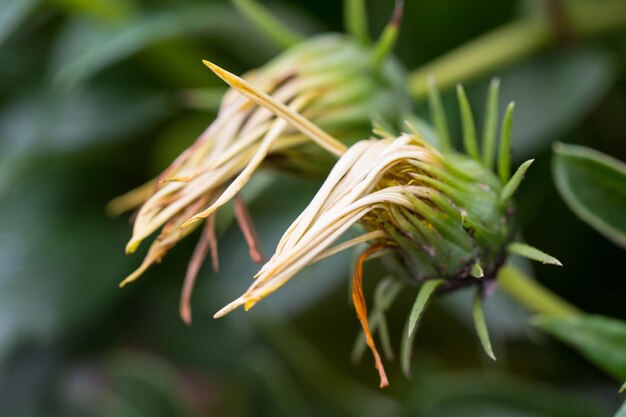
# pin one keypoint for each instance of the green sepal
(504, 154)
(438, 115)
(514, 182)
(424, 295)
(491, 123)
(467, 120)
(481, 325)
(534, 254)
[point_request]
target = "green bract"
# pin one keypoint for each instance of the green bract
(460, 231)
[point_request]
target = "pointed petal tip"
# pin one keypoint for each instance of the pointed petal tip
(230, 307)
(132, 277)
(219, 71)
(185, 316)
(555, 262)
(132, 246)
(127, 281)
(220, 314)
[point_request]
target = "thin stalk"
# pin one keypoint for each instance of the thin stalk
(515, 41)
(273, 28)
(355, 20)
(532, 294)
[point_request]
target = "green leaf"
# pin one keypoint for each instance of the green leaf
(423, 297)
(594, 187)
(104, 9)
(600, 339)
(514, 182)
(87, 46)
(484, 393)
(59, 265)
(481, 325)
(51, 123)
(535, 254)
(504, 153)
(12, 14)
(553, 93)
(491, 123)
(467, 119)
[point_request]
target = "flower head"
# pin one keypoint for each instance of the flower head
(443, 217)
(330, 79)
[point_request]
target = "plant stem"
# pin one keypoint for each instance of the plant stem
(355, 20)
(513, 42)
(273, 28)
(532, 294)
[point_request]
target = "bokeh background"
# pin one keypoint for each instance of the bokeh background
(97, 96)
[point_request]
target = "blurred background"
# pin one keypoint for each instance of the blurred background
(98, 96)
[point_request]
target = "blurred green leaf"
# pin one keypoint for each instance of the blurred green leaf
(281, 384)
(594, 187)
(130, 384)
(552, 93)
(89, 46)
(480, 394)
(106, 9)
(12, 14)
(60, 256)
(328, 381)
(268, 24)
(600, 339)
(53, 123)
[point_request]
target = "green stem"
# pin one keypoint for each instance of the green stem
(513, 42)
(532, 294)
(355, 20)
(280, 34)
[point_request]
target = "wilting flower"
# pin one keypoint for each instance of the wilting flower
(443, 219)
(333, 81)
